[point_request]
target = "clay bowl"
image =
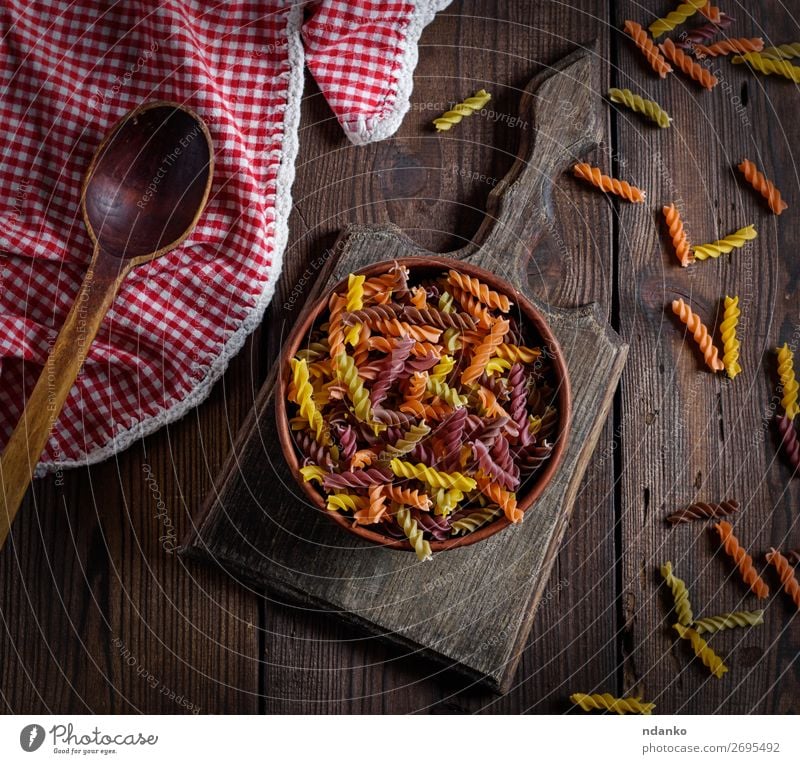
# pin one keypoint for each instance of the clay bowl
(534, 323)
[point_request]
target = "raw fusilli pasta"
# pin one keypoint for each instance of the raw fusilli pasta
(740, 618)
(688, 65)
(460, 110)
(479, 290)
(723, 246)
(413, 533)
(680, 240)
(730, 45)
(790, 443)
(674, 18)
(769, 66)
(648, 48)
(730, 342)
(701, 649)
(610, 185)
(790, 584)
(703, 511)
(699, 333)
(680, 594)
(608, 702)
(441, 390)
(635, 102)
(779, 52)
(765, 187)
(789, 384)
(744, 562)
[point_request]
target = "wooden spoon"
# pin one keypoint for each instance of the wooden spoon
(142, 195)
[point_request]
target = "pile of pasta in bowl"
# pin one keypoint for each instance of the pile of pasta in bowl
(423, 409)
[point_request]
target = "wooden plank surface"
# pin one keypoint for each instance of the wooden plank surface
(228, 649)
(416, 181)
(689, 435)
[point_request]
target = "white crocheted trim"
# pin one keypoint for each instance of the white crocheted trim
(377, 127)
(283, 206)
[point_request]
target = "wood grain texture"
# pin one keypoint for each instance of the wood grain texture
(688, 434)
(98, 614)
(314, 664)
(607, 629)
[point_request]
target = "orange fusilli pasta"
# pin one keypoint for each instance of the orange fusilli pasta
(605, 183)
(764, 186)
(680, 240)
(648, 48)
(786, 572)
(744, 562)
(700, 334)
(687, 65)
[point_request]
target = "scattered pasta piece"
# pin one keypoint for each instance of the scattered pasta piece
(730, 45)
(730, 342)
(648, 48)
(636, 103)
(735, 240)
(744, 562)
(675, 18)
(610, 185)
(460, 110)
(765, 187)
(680, 241)
(688, 65)
(701, 649)
(607, 702)
(779, 52)
(702, 34)
(738, 619)
(699, 333)
(712, 13)
(789, 385)
(790, 584)
(790, 443)
(703, 511)
(680, 594)
(769, 66)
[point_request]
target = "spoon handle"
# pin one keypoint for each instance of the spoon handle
(55, 382)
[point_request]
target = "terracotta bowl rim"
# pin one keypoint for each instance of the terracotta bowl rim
(532, 315)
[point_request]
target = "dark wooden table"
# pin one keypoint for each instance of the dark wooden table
(98, 614)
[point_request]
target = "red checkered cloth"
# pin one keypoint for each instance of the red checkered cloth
(70, 70)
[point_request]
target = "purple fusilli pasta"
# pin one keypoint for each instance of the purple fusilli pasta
(390, 368)
(357, 479)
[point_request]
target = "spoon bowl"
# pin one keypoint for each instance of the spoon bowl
(142, 195)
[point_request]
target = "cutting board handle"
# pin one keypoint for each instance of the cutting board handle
(560, 121)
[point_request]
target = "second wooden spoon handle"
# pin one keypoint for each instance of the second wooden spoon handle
(44, 405)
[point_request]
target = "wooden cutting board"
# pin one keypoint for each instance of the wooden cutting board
(469, 608)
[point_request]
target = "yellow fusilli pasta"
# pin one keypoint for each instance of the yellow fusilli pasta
(680, 595)
(460, 110)
(788, 381)
(607, 702)
(723, 246)
(730, 342)
(413, 533)
(729, 621)
(431, 476)
(649, 109)
(304, 398)
(701, 649)
(674, 18)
